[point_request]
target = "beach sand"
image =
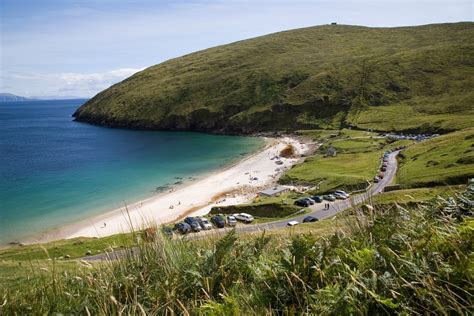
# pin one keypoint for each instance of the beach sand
(235, 184)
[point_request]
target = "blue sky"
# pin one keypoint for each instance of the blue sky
(80, 47)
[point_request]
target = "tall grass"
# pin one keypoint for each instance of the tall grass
(389, 260)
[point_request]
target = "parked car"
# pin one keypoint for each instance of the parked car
(204, 223)
(317, 198)
(329, 197)
(191, 221)
(292, 223)
(182, 228)
(383, 169)
(342, 193)
(310, 219)
(167, 231)
(376, 179)
(340, 196)
(218, 221)
(231, 221)
(302, 202)
(310, 200)
(380, 175)
(244, 217)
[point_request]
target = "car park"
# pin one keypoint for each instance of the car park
(204, 223)
(191, 221)
(310, 219)
(182, 228)
(317, 198)
(244, 217)
(329, 197)
(231, 221)
(218, 221)
(292, 223)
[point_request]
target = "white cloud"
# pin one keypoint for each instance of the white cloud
(80, 84)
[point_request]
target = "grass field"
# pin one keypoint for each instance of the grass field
(329, 76)
(414, 195)
(349, 170)
(355, 145)
(448, 159)
(345, 171)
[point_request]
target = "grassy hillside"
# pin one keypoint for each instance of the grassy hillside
(448, 159)
(407, 78)
(391, 261)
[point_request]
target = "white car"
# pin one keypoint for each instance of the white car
(244, 217)
(231, 221)
(339, 194)
(292, 223)
(204, 223)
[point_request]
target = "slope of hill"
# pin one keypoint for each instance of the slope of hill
(448, 159)
(8, 97)
(408, 78)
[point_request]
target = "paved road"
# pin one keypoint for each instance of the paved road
(317, 210)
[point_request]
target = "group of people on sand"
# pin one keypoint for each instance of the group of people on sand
(172, 206)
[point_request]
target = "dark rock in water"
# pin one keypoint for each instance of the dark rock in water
(161, 188)
(179, 178)
(178, 182)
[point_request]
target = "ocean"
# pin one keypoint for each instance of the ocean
(54, 171)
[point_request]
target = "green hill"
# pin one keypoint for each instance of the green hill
(448, 159)
(405, 78)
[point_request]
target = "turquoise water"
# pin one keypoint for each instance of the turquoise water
(55, 171)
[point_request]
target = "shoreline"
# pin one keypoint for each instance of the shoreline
(228, 185)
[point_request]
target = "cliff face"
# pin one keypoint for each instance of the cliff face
(320, 77)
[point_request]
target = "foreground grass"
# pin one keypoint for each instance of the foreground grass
(393, 260)
(448, 159)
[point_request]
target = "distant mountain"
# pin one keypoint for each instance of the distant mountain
(8, 97)
(398, 79)
(59, 97)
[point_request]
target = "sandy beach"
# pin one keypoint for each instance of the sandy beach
(235, 184)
